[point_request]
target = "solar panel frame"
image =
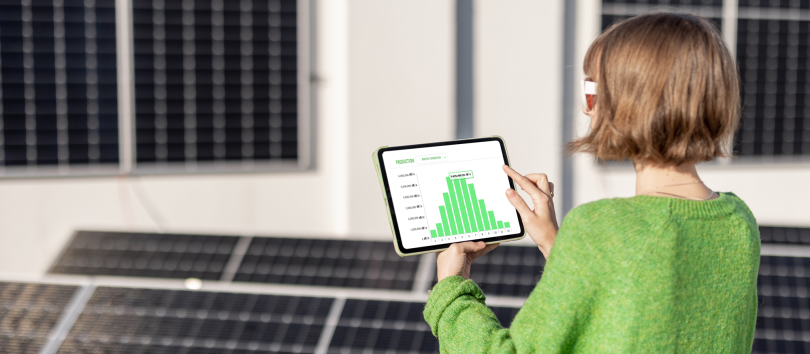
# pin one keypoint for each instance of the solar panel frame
(772, 57)
(374, 326)
(170, 137)
(131, 320)
(29, 312)
(322, 262)
(783, 316)
(145, 255)
(58, 88)
(784, 235)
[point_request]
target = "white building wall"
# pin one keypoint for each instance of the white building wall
(401, 91)
(518, 76)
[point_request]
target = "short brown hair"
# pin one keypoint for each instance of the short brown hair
(667, 91)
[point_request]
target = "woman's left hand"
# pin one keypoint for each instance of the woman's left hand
(457, 259)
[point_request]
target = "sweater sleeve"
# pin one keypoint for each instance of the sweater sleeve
(549, 322)
(458, 316)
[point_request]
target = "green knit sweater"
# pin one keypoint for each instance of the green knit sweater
(626, 275)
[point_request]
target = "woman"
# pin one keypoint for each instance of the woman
(672, 269)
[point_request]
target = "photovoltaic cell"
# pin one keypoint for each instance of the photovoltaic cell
(784, 4)
(354, 264)
(146, 255)
(123, 320)
(785, 235)
(215, 81)
(671, 3)
(58, 85)
(28, 313)
(508, 271)
(783, 319)
(772, 57)
(369, 327)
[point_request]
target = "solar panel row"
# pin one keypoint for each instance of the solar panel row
(783, 319)
(133, 320)
(171, 321)
(341, 263)
(28, 313)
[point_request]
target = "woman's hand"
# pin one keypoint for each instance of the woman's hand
(457, 259)
(540, 223)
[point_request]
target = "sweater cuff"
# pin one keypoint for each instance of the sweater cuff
(444, 293)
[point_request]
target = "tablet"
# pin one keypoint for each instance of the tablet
(440, 193)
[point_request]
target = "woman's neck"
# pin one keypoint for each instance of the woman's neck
(670, 181)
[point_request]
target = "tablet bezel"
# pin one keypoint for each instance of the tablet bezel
(389, 202)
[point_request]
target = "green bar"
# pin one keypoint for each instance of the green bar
(484, 214)
(439, 229)
(461, 206)
(506, 224)
(467, 201)
(444, 217)
(474, 199)
(500, 224)
(433, 233)
(454, 203)
(492, 221)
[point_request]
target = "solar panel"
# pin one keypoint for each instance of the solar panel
(123, 320)
(145, 255)
(369, 327)
(508, 271)
(772, 58)
(216, 81)
(794, 4)
(672, 3)
(58, 86)
(785, 235)
(355, 264)
(28, 313)
(783, 319)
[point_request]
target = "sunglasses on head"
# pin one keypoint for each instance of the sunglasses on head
(589, 94)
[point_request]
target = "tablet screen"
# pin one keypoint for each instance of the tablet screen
(449, 193)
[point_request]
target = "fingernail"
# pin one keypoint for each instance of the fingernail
(510, 193)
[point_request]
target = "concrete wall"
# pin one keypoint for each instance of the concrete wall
(518, 61)
(401, 91)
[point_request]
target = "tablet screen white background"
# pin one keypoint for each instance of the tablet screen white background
(417, 207)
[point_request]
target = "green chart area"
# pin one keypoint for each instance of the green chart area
(463, 212)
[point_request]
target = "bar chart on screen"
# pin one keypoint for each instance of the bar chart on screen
(449, 194)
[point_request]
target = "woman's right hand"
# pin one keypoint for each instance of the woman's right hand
(540, 223)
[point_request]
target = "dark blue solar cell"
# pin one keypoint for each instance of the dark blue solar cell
(64, 55)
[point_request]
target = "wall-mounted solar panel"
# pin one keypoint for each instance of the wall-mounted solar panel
(783, 317)
(355, 264)
(508, 271)
(785, 235)
(58, 86)
(218, 84)
(28, 314)
(124, 320)
(145, 255)
(616, 10)
(772, 57)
